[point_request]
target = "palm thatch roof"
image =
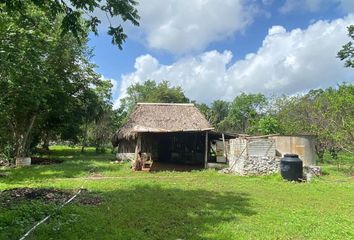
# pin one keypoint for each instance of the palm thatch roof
(162, 118)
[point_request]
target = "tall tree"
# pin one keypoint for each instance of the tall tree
(245, 111)
(204, 109)
(101, 128)
(43, 73)
(268, 125)
(150, 91)
(219, 111)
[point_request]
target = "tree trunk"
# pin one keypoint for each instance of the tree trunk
(45, 144)
(22, 139)
(85, 137)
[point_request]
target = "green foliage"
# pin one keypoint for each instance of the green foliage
(347, 51)
(204, 109)
(24, 73)
(72, 11)
(239, 116)
(148, 91)
(152, 92)
(328, 114)
(48, 87)
(216, 114)
(119, 117)
(245, 111)
(219, 111)
(337, 109)
(268, 125)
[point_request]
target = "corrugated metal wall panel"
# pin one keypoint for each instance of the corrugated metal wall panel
(252, 147)
(237, 147)
(261, 147)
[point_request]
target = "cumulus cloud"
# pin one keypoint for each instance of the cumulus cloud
(183, 26)
(287, 62)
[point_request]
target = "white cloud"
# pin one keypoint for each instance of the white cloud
(287, 62)
(184, 26)
(276, 30)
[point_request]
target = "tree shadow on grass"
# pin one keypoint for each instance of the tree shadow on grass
(153, 212)
(67, 169)
(75, 153)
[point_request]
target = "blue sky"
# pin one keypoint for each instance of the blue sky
(218, 49)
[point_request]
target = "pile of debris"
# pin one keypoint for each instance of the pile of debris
(253, 156)
(47, 195)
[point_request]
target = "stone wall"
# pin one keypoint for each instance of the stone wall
(254, 156)
(254, 165)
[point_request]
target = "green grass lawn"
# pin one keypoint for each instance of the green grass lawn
(177, 205)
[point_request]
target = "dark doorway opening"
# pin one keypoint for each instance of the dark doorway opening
(182, 148)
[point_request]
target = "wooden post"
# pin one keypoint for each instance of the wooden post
(137, 161)
(225, 149)
(206, 150)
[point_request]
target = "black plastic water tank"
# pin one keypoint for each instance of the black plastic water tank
(291, 167)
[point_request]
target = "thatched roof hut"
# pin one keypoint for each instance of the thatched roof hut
(165, 133)
(162, 118)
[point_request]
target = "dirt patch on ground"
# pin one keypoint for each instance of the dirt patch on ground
(89, 198)
(96, 175)
(48, 195)
(160, 166)
(44, 161)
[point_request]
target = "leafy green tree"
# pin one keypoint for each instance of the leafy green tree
(245, 111)
(72, 12)
(216, 113)
(89, 119)
(268, 125)
(204, 109)
(347, 51)
(150, 91)
(219, 111)
(337, 108)
(102, 127)
(24, 77)
(44, 76)
(227, 126)
(119, 116)
(328, 114)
